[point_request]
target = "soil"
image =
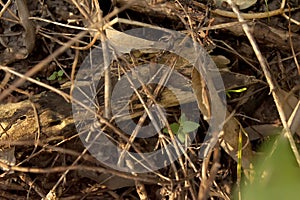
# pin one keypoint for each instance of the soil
(44, 155)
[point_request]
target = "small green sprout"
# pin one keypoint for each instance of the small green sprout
(182, 128)
(56, 75)
(235, 91)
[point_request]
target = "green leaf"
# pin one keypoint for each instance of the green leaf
(237, 90)
(228, 94)
(181, 136)
(182, 128)
(276, 174)
(174, 127)
(189, 126)
(165, 130)
(60, 73)
(182, 119)
(52, 77)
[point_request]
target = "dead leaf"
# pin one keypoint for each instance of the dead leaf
(200, 89)
(7, 156)
(221, 61)
(229, 142)
(236, 80)
(289, 102)
(20, 46)
(263, 130)
(231, 129)
(112, 182)
(242, 4)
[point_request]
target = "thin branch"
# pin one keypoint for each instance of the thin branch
(273, 88)
(261, 15)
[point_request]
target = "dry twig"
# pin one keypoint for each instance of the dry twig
(273, 88)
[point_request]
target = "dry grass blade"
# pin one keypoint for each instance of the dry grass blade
(231, 127)
(247, 15)
(53, 142)
(273, 88)
(294, 120)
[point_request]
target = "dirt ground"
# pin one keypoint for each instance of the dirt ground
(55, 93)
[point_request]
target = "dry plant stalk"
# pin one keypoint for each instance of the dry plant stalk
(273, 88)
